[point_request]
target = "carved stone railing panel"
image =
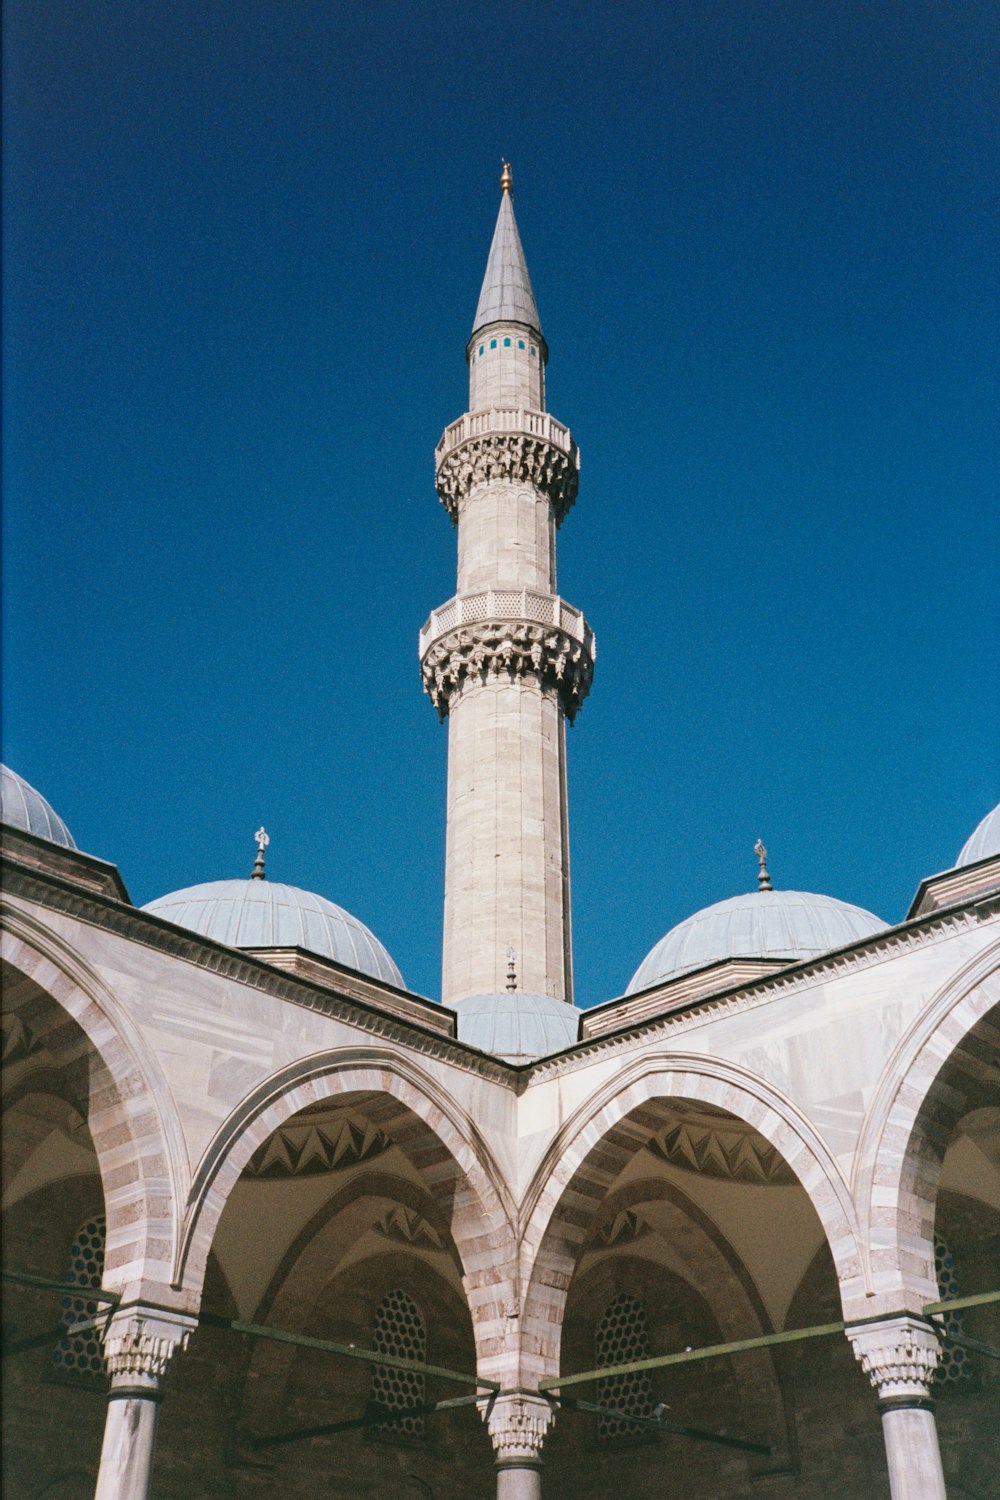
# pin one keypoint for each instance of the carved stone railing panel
(520, 447)
(507, 604)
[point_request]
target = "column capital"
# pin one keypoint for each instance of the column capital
(899, 1355)
(517, 1423)
(140, 1343)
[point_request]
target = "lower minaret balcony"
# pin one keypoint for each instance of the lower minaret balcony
(519, 446)
(507, 633)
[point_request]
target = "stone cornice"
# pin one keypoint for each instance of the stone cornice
(80, 869)
(952, 887)
(496, 649)
(509, 457)
(883, 947)
(368, 1011)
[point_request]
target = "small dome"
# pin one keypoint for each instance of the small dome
(265, 914)
(786, 925)
(517, 1026)
(984, 842)
(22, 807)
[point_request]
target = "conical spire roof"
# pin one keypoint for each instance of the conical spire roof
(506, 296)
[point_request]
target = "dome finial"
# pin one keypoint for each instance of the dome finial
(261, 840)
(511, 971)
(506, 177)
(763, 878)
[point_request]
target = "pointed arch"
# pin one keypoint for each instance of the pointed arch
(588, 1153)
(414, 1110)
(901, 1147)
(133, 1122)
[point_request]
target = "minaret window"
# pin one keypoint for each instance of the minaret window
(493, 343)
(399, 1331)
(506, 343)
(82, 1355)
(520, 343)
(482, 348)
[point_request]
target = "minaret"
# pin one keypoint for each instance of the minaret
(507, 661)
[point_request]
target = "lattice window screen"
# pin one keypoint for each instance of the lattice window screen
(954, 1364)
(623, 1336)
(399, 1329)
(83, 1353)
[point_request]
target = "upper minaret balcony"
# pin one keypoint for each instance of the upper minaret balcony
(506, 353)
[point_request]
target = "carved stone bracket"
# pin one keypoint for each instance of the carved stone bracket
(899, 1356)
(517, 1424)
(507, 648)
(510, 456)
(140, 1343)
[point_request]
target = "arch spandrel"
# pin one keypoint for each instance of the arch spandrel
(137, 1137)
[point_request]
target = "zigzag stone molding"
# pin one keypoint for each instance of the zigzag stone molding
(507, 648)
(513, 457)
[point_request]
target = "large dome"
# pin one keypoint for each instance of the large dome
(787, 925)
(265, 914)
(984, 841)
(22, 807)
(517, 1026)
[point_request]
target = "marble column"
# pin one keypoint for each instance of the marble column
(139, 1345)
(900, 1355)
(517, 1425)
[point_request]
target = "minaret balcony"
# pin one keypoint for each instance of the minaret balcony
(502, 444)
(507, 632)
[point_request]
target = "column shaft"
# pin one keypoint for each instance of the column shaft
(519, 1483)
(127, 1452)
(912, 1453)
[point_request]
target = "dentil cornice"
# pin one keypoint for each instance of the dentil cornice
(507, 648)
(513, 457)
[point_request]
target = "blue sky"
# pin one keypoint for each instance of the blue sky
(244, 242)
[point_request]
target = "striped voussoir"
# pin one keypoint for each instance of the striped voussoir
(950, 1070)
(588, 1156)
(409, 1110)
(70, 1026)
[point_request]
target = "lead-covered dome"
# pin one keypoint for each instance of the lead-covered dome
(780, 925)
(22, 807)
(984, 841)
(516, 1025)
(266, 914)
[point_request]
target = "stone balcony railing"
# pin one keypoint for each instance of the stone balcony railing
(539, 424)
(516, 446)
(507, 633)
(507, 604)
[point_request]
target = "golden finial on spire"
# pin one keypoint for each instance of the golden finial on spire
(506, 177)
(763, 878)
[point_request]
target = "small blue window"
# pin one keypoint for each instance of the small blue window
(506, 343)
(533, 351)
(482, 348)
(493, 343)
(520, 343)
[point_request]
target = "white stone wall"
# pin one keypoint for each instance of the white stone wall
(507, 866)
(506, 373)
